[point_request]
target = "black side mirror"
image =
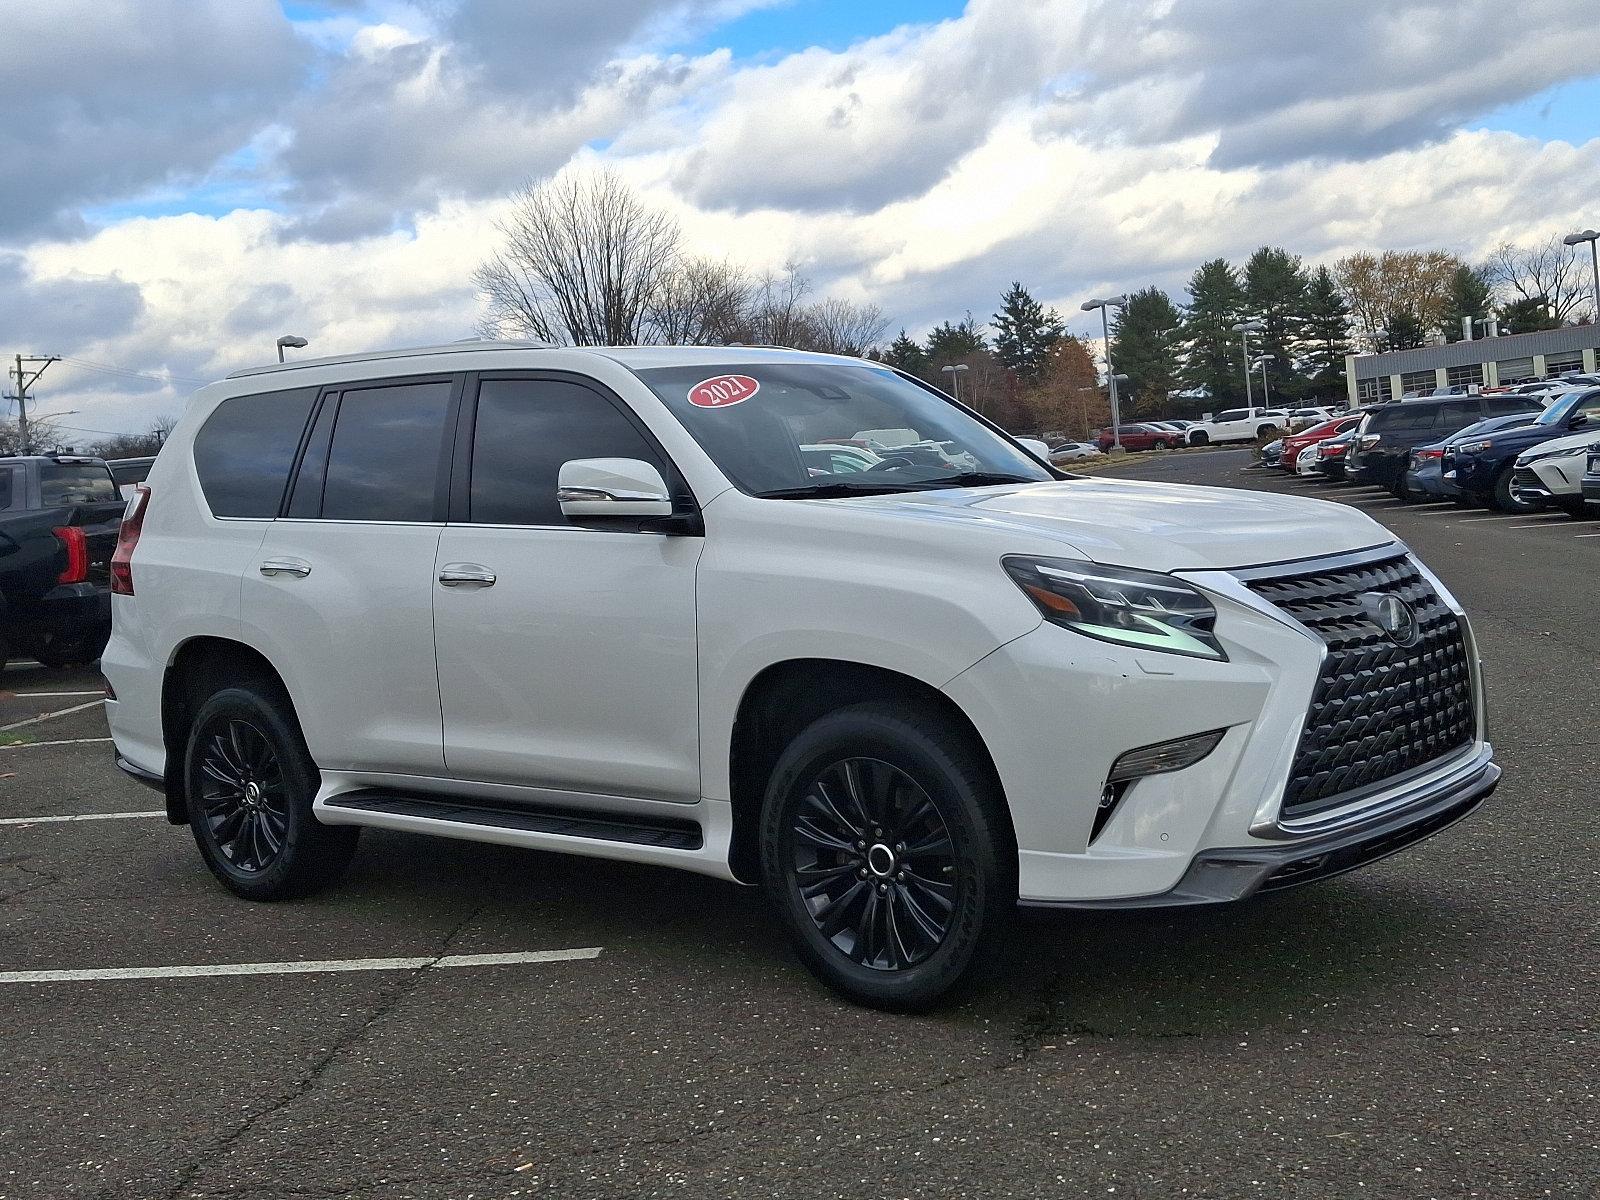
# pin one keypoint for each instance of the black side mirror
(1577, 419)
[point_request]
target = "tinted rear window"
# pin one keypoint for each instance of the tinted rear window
(1405, 417)
(75, 483)
(245, 449)
(383, 464)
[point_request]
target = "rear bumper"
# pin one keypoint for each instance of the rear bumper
(68, 607)
(1221, 875)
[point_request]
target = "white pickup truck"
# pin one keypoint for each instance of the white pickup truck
(1237, 425)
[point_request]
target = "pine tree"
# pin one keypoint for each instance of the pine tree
(1025, 331)
(1469, 295)
(1275, 293)
(1403, 330)
(949, 343)
(1216, 302)
(1146, 346)
(906, 354)
(1527, 315)
(1325, 336)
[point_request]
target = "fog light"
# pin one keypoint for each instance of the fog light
(1162, 757)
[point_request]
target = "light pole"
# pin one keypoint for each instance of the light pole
(1590, 236)
(294, 343)
(954, 370)
(1266, 392)
(1111, 371)
(1246, 328)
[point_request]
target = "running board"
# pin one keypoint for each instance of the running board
(666, 833)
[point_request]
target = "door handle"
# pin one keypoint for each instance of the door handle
(465, 575)
(298, 567)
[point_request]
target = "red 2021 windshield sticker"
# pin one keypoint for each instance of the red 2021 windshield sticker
(721, 391)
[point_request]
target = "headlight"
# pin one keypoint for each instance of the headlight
(1474, 447)
(1533, 456)
(1142, 609)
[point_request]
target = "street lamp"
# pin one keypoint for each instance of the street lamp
(1246, 328)
(954, 371)
(1262, 361)
(292, 342)
(1590, 236)
(1111, 372)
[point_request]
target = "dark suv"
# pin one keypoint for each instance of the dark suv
(1482, 466)
(1387, 435)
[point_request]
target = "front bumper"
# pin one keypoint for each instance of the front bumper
(1222, 875)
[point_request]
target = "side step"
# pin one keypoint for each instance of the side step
(639, 831)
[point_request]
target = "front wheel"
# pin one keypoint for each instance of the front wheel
(885, 848)
(250, 782)
(1504, 499)
(1159, 444)
(1200, 439)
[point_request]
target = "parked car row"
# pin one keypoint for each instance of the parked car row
(1514, 451)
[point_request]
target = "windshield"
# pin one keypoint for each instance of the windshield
(1587, 402)
(769, 427)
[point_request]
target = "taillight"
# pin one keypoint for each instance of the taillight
(1426, 454)
(77, 548)
(127, 539)
(1369, 440)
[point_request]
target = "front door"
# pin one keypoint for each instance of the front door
(566, 654)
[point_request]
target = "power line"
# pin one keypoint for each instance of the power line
(129, 372)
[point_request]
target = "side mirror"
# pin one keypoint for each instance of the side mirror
(1036, 448)
(612, 487)
(1577, 419)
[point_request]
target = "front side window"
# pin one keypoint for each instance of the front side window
(383, 462)
(525, 429)
(1235, 414)
(244, 451)
(754, 419)
(75, 483)
(1587, 403)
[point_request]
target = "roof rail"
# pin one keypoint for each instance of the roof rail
(458, 347)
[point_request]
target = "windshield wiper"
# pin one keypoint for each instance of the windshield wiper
(830, 491)
(976, 479)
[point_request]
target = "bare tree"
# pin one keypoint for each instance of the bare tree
(583, 262)
(700, 302)
(777, 313)
(842, 327)
(136, 445)
(1546, 272)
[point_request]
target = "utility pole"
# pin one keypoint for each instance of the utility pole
(24, 382)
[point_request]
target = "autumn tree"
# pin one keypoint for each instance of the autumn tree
(1066, 397)
(1378, 287)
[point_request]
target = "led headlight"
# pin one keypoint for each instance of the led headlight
(1533, 456)
(1474, 447)
(1142, 609)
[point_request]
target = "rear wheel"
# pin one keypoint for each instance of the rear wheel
(1403, 491)
(1266, 430)
(250, 783)
(885, 848)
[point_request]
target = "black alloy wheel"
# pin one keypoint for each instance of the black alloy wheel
(242, 797)
(249, 783)
(874, 864)
(887, 851)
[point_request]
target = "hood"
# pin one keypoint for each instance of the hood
(1154, 526)
(1572, 442)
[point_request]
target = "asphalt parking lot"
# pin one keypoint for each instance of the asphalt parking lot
(1425, 1027)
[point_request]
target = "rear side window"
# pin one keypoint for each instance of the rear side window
(75, 483)
(1405, 418)
(383, 463)
(1504, 406)
(243, 452)
(1457, 414)
(1237, 414)
(525, 429)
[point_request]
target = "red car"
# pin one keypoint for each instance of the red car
(1296, 442)
(1142, 437)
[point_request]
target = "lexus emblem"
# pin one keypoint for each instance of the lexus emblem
(1394, 616)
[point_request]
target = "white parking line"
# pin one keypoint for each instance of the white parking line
(122, 816)
(305, 967)
(1495, 517)
(60, 712)
(1583, 535)
(1538, 525)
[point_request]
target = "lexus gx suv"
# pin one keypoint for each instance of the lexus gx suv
(612, 602)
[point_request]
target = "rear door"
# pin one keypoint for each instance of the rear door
(342, 589)
(571, 665)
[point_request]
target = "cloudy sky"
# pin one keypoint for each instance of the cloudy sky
(187, 179)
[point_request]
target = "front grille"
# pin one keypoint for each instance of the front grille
(1527, 481)
(1379, 709)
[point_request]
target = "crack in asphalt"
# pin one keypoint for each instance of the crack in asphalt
(308, 1082)
(44, 878)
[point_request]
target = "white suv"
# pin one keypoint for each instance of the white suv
(1237, 425)
(610, 602)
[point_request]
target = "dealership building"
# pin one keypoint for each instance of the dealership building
(1488, 362)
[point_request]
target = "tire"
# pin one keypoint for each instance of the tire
(1575, 507)
(1159, 444)
(1200, 439)
(250, 782)
(1266, 430)
(880, 925)
(1404, 492)
(72, 651)
(1503, 500)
